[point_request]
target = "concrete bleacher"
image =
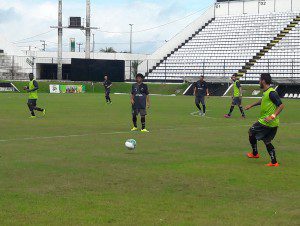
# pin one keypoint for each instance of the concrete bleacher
(284, 58)
(226, 44)
(11, 68)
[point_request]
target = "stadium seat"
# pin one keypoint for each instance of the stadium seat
(227, 43)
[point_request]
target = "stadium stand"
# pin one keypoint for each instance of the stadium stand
(283, 61)
(12, 67)
(235, 44)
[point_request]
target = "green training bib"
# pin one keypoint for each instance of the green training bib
(268, 108)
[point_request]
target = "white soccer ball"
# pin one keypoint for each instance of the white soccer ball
(130, 144)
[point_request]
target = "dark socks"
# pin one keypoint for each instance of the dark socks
(198, 106)
(271, 151)
(143, 121)
(134, 120)
(242, 111)
(38, 109)
(253, 142)
(31, 109)
(231, 110)
(204, 108)
(108, 100)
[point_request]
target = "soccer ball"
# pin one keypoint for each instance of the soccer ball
(130, 144)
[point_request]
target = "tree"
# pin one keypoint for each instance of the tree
(134, 67)
(108, 50)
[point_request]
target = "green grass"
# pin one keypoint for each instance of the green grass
(118, 87)
(187, 171)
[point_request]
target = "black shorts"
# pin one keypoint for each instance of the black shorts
(136, 111)
(262, 132)
(107, 92)
(32, 102)
(237, 101)
(200, 99)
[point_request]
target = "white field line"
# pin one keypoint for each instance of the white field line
(196, 114)
(187, 89)
(229, 88)
(151, 94)
(127, 132)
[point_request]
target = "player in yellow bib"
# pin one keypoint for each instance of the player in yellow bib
(266, 127)
(236, 97)
(32, 89)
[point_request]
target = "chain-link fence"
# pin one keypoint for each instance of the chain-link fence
(158, 70)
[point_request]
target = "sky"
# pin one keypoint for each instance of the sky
(21, 20)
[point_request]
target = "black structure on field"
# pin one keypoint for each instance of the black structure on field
(49, 71)
(288, 89)
(94, 70)
(215, 89)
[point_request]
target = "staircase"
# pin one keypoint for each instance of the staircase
(181, 45)
(268, 47)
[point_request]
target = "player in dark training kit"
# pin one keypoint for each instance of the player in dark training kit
(32, 89)
(140, 101)
(107, 85)
(266, 127)
(200, 91)
(236, 97)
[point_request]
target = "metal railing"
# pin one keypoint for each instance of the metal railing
(18, 68)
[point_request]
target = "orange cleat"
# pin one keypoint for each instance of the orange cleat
(251, 156)
(271, 164)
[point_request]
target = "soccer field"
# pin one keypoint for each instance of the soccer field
(71, 167)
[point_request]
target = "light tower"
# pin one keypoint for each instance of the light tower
(74, 23)
(88, 30)
(59, 47)
(130, 38)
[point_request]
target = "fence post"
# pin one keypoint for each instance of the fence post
(224, 68)
(292, 68)
(33, 58)
(184, 75)
(130, 77)
(165, 70)
(147, 69)
(13, 68)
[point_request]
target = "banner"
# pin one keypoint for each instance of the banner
(8, 87)
(72, 88)
(67, 88)
(54, 89)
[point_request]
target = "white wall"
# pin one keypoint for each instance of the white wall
(256, 7)
(98, 55)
